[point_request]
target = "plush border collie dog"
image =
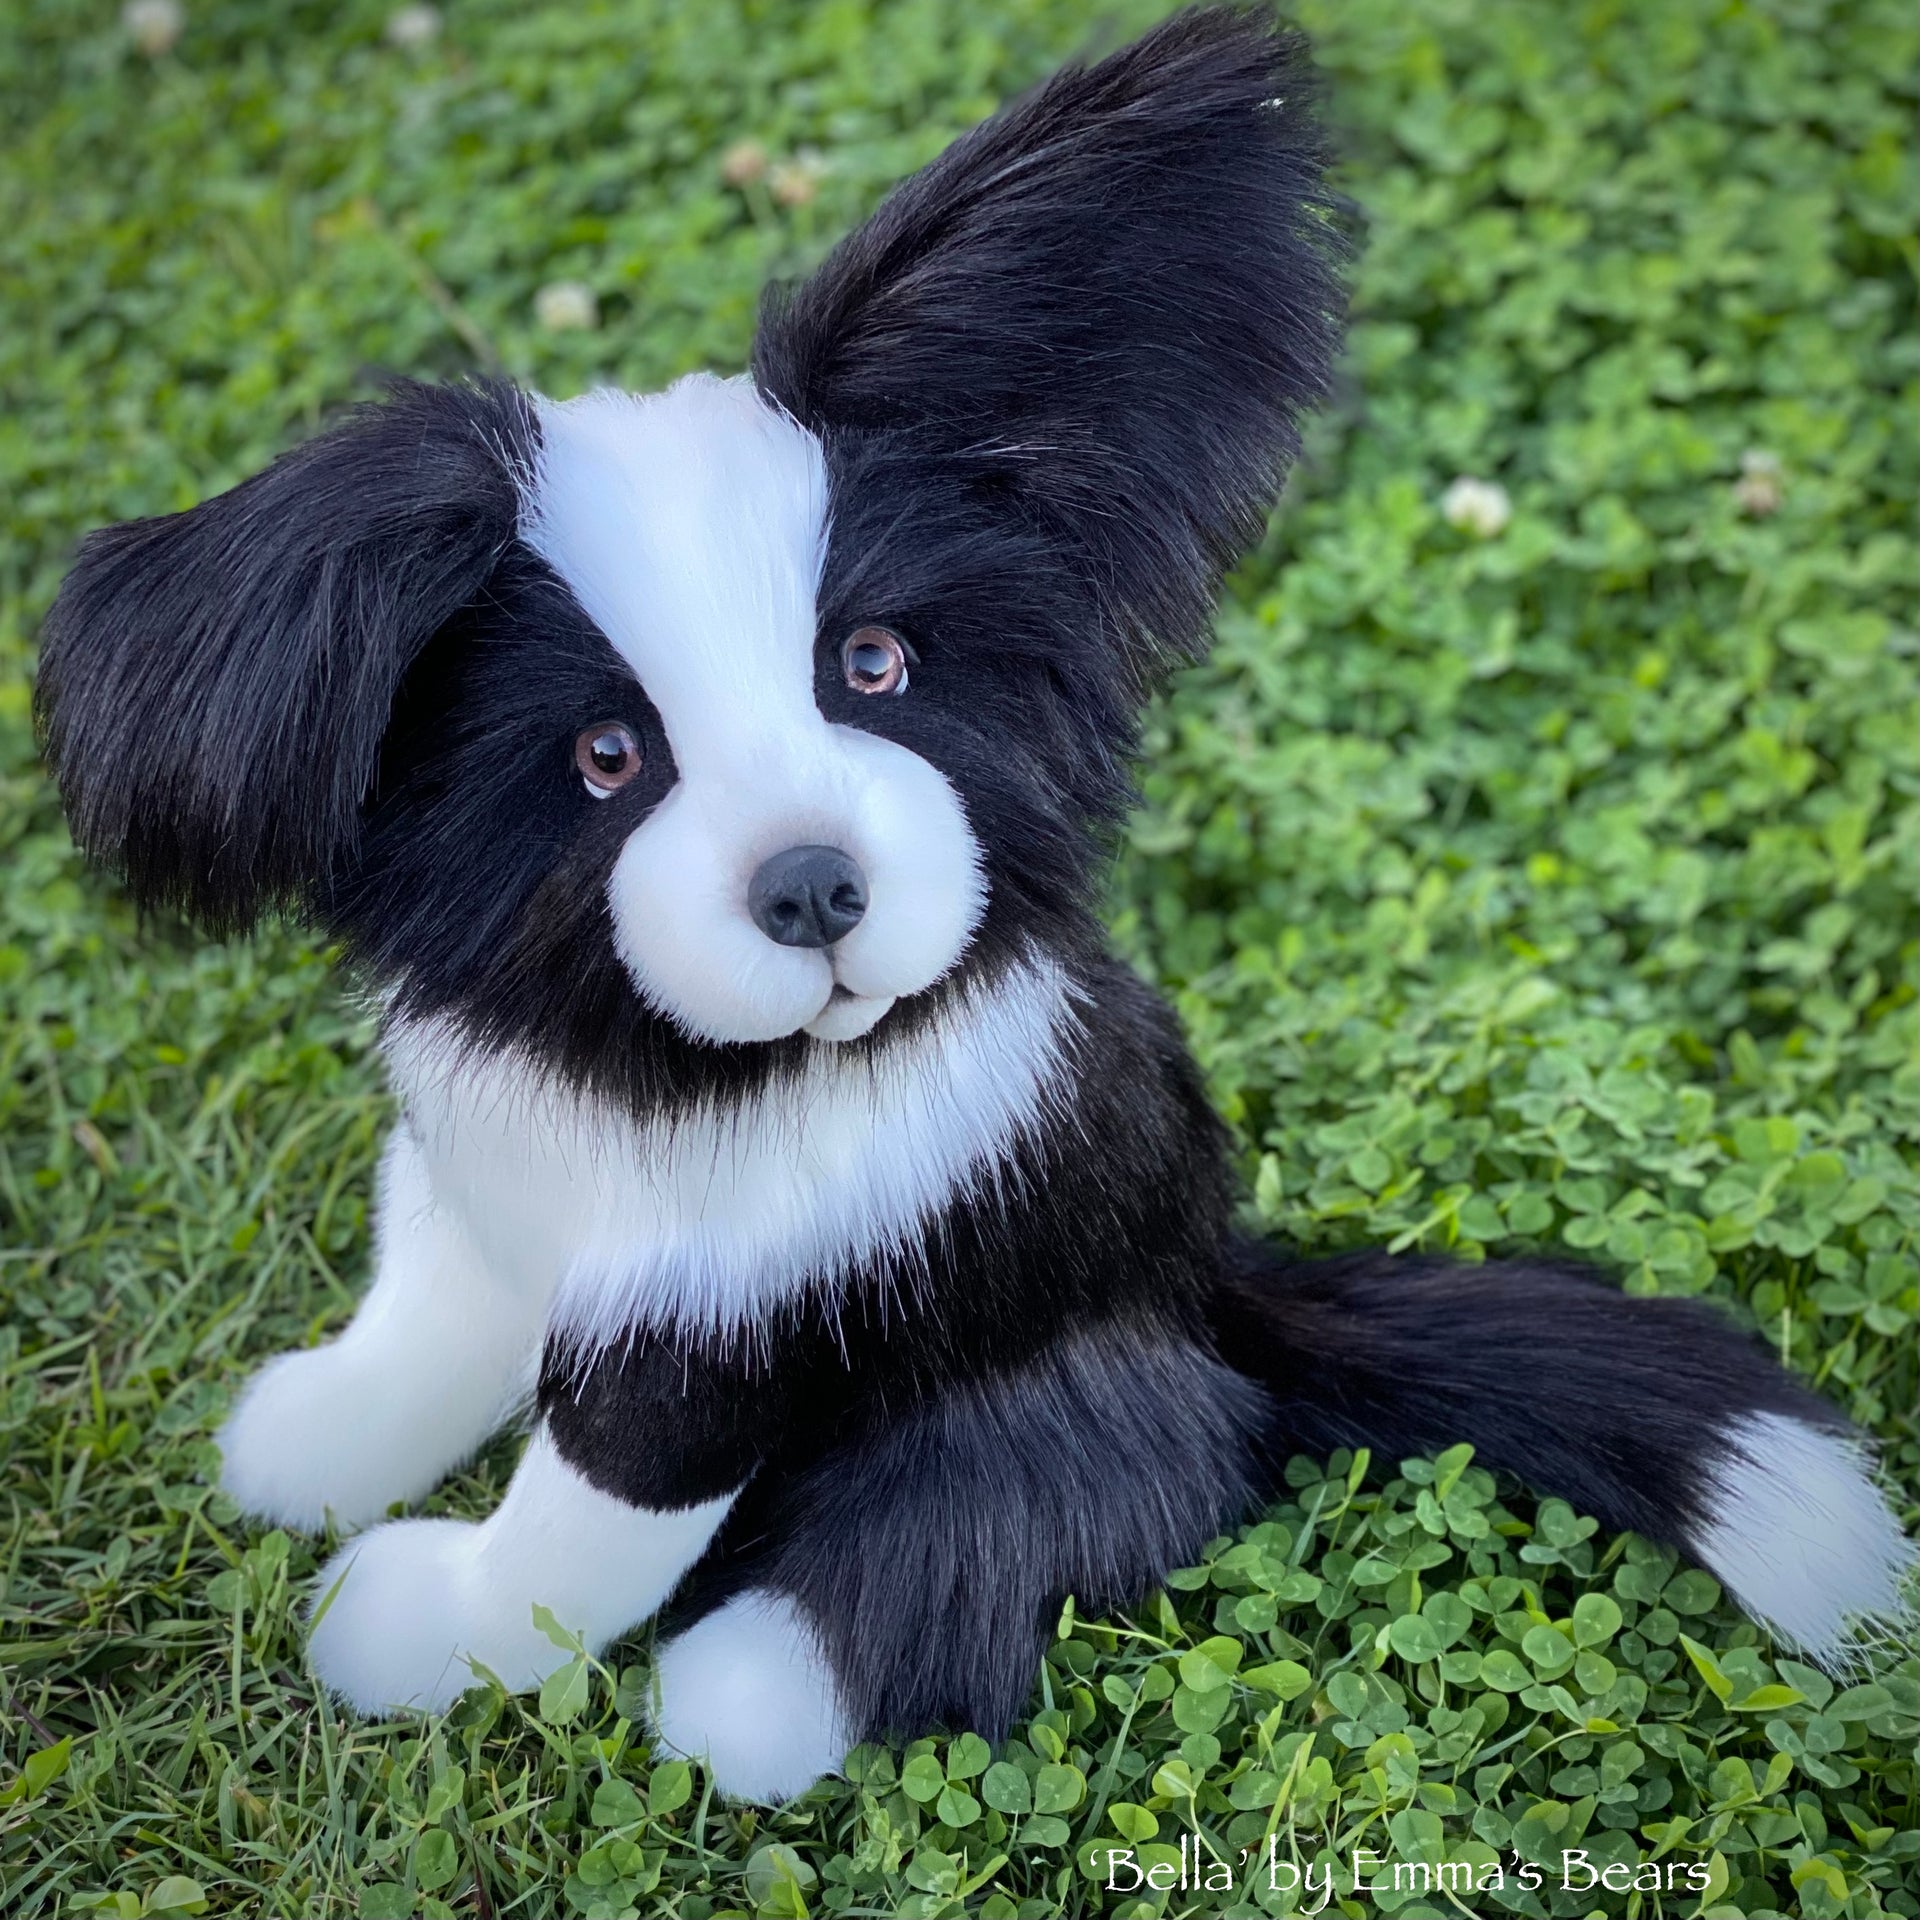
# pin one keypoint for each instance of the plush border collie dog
(715, 782)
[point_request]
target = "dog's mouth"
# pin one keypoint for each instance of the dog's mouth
(847, 1015)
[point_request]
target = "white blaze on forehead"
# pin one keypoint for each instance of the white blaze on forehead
(691, 527)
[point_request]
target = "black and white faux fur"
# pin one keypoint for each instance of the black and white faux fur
(869, 1268)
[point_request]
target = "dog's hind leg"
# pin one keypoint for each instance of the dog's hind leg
(433, 1362)
(909, 1577)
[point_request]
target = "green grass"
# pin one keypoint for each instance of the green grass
(1553, 887)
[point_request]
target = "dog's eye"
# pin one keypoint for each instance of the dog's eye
(875, 661)
(608, 756)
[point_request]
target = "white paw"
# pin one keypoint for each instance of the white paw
(422, 1598)
(311, 1437)
(748, 1691)
(416, 1605)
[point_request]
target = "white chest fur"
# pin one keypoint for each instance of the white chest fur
(705, 1222)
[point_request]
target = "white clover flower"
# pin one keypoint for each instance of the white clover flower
(794, 182)
(413, 28)
(1479, 507)
(565, 304)
(743, 163)
(154, 25)
(1762, 483)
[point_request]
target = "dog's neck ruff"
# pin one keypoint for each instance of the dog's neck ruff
(707, 1221)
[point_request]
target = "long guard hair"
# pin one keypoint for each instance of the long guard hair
(714, 785)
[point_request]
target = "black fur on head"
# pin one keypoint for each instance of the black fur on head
(215, 684)
(1097, 319)
(1055, 383)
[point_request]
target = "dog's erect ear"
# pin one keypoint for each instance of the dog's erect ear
(214, 684)
(1115, 299)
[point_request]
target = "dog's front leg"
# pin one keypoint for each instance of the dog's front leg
(435, 1360)
(421, 1602)
(639, 1453)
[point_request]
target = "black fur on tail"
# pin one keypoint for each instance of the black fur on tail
(1545, 1368)
(1660, 1416)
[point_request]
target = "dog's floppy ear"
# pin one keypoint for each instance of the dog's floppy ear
(214, 684)
(1113, 301)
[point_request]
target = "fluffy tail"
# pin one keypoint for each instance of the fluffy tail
(1656, 1415)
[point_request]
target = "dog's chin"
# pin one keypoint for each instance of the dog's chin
(847, 1015)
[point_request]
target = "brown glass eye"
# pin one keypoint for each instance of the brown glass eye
(875, 661)
(608, 756)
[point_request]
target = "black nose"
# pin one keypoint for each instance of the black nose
(807, 897)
